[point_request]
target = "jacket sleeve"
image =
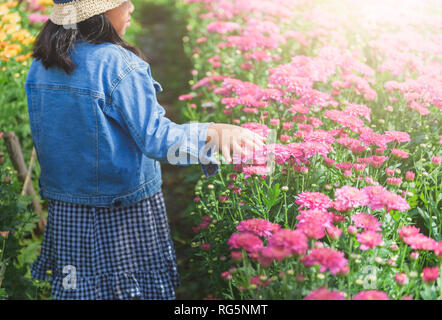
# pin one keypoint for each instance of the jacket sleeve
(134, 99)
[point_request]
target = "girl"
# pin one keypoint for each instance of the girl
(99, 134)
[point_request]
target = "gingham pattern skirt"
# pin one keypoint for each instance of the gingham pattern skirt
(108, 253)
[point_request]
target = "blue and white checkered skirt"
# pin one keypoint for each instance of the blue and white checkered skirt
(108, 253)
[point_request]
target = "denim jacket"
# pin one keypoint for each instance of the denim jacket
(100, 133)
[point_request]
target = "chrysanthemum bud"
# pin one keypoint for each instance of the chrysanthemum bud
(414, 255)
(263, 278)
(401, 278)
(320, 276)
(300, 278)
(379, 260)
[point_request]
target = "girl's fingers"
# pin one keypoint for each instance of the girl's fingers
(254, 146)
(226, 153)
(238, 150)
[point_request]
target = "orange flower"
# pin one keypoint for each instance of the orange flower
(10, 28)
(29, 40)
(46, 3)
(20, 35)
(11, 4)
(11, 18)
(10, 51)
(24, 57)
(3, 9)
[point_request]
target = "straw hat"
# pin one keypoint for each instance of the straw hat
(67, 12)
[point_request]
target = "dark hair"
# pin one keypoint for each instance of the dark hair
(55, 42)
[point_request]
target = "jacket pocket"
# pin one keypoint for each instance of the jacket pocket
(157, 86)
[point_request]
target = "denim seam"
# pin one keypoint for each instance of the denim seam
(68, 88)
(124, 53)
(35, 119)
(111, 197)
(96, 149)
(120, 78)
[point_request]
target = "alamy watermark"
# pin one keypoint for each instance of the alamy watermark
(369, 277)
(70, 280)
(229, 141)
(70, 16)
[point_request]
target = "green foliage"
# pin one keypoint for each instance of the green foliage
(18, 248)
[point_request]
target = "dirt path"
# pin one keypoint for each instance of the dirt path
(161, 42)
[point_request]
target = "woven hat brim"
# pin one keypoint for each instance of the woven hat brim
(80, 10)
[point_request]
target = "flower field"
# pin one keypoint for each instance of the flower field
(345, 200)
(349, 95)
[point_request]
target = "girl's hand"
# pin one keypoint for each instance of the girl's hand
(230, 138)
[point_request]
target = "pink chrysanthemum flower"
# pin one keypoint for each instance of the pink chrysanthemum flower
(371, 295)
(377, 161)
(409, 176)
(401, 278)
(347, 198)
(429, 275)
(436, 160)
(344, 166)
(247, 241)
(438, 249)
(268, 254)
(369, 239)
(287, 125)
(260, 227)
(394, 181)
(381, 198)
(358, 110)
(256, 280)
(324, 294)
(334, 232)
(313, 200)
(320, 136)
(329, 162)
(36, 17)
(293, 240)
(366, 221)
(257, 170)
(222, 27)
(373, 138)
(353, 145)
(281, 152)
(311, 148)
(313, 223)
(420, 242)
(400, 153)
(186, 97)
(258, 128)
(408, 231)
(389, 172)
(327, 259)
(397, 136)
